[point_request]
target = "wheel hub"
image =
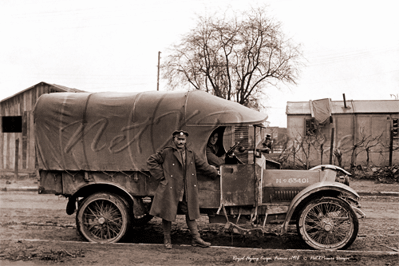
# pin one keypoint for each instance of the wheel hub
(101, 220)
(327, 224)
(327, 227)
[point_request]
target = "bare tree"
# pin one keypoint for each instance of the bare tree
(235, 58)
(302, 148)
(309, 146)
(338, 155)
(364, 143)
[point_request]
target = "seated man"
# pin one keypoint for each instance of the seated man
(213, 149)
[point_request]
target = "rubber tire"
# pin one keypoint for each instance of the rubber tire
(311, 242)
(115, 201)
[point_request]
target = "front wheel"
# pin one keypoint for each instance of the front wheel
(103, 218)
(328, 223)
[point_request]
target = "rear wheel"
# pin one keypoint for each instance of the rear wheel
(103, 218)
(328, 223)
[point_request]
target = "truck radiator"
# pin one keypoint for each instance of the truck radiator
(271, 195)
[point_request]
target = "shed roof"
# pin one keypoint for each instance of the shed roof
(58, 88)
(353, 107)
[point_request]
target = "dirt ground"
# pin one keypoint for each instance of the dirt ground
(35, 230)
(361, 185)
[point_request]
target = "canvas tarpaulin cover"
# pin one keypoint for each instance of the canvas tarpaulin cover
(119, 131)
(321, 110)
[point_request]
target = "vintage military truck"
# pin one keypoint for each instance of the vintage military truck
(92, 148)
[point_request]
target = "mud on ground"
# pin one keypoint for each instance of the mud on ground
(33, 228)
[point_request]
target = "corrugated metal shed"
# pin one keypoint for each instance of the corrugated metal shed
(353, 107)
(363, 126)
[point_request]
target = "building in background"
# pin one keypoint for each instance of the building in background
(360, 131)
(17, 140)
(278, 136)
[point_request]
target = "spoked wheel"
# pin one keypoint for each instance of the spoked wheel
(328, 223)
(103, 218)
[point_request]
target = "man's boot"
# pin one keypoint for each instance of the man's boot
(196, 241)
(166, 226)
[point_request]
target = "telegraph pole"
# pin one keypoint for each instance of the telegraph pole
(159, 60)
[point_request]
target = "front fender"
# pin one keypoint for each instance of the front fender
(311, 190)
(330, 166)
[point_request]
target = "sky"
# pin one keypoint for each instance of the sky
(349, 46)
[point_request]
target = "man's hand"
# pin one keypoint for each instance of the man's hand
(232, 148)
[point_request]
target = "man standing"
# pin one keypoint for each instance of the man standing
(175, 167)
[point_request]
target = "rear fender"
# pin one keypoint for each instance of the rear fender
(312, 190)
(104, 187)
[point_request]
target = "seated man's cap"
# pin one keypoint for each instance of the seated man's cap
(180, 132)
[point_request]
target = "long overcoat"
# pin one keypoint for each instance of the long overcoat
(167, 167)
